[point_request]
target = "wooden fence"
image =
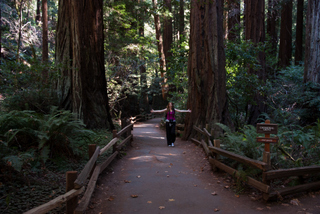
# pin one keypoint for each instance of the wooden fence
(213, 151)
(142, 117)
(77, 184)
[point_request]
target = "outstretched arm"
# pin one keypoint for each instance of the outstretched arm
(186, 111)
(158, 111)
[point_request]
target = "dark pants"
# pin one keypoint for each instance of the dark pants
(171, 132)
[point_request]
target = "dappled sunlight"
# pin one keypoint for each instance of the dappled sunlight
(151, 158)
(159, 138)
(146, 125)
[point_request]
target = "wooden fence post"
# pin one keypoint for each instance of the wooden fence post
(91, 150)
(114, 135)
(216, 143)
(266, 152)
(71, 204)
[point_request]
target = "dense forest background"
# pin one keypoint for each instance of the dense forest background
(70, 72)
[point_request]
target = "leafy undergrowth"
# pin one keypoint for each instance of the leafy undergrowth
(36, 151)
(296, 148)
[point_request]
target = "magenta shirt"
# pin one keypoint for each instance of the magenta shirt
(170, 115)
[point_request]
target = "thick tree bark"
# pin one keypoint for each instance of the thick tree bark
(181, 21)
(285, 49)
(299, 33)
(167, 32)
(79, 48)
(20, 30)
(312, 59)
(206, 67)
(255, 32)
(0, 38)
(162, 57)
(141, 19)
(233, 19)
(38, 11)
(272, 24)
(45, 37)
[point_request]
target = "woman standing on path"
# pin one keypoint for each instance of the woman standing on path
(170, 121)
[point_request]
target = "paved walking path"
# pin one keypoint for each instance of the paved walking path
(154, 178)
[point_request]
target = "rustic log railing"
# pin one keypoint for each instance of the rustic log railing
(77, 184)
(213, 151)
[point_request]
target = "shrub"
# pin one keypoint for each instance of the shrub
(31, 136)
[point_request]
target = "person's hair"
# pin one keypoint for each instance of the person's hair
(169, 109)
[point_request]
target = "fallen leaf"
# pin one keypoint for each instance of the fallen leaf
(259, 208)
(184, 152)
(238, 196)
(269, 208)
(171, 164)
(138, 176)
(149, 202)
(161, 207)
(214, 193)
(286, 205)
(171, 200)
(227, 187)
(216, 209)
(195, 185)
(218, 182)
(295, 202)
(134, 196)
(111, 198)
(167, 175)
(126, 181)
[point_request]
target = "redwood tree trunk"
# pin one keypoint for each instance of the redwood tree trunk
(233, 19)
(299, 33)
(285, 49)
(206, 67)
(79, 48)
(38, 11)
(160, 48)
(272, 23)
(312, 59)
(167, 32)
(255, 32)
(181, 21)
(45, 37)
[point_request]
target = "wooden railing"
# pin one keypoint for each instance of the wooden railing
(213, 151)
(77, 184)
(142, 117)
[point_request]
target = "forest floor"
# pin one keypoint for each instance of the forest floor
(154, 178)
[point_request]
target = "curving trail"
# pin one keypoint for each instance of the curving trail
(153, 178)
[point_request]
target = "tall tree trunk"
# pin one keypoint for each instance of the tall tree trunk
(20, 30)
(206, 67)
(272, 24)
(160, 48)
(299, 33)
(167, 32)
(38, 11)
(79, 48)
(141, 19)
(181, 21)
(45, 37)
(0, 38)
(285, 49)
(312, 59)
(233, 19)
(255, 32)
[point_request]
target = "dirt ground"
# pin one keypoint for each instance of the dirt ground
(154, 178)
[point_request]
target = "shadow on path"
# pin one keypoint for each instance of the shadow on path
(170, 180)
